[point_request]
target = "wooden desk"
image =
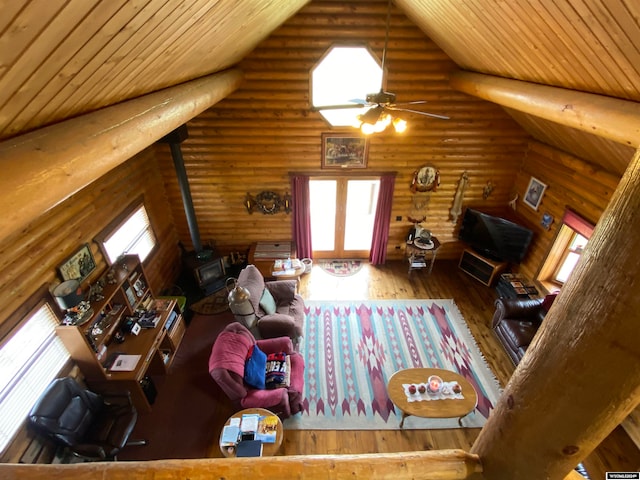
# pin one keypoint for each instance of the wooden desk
(447, 408)
(268, 449)
(126, 289)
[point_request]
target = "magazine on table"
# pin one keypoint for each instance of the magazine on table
(267, 429)
(249, 423)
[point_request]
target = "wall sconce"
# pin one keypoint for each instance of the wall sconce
(268, 202)
(249, 203)
(286, 202)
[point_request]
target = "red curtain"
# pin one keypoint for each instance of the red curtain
(577, 223)
(378, 252)
(301, 215)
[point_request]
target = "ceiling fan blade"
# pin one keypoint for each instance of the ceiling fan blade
(358, 100)
(415, 102)
(443, 117)
(317, 108)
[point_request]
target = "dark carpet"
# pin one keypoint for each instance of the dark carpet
(190, 409)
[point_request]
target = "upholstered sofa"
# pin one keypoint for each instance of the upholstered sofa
(516, 321)
(283, 316)
(227, 363)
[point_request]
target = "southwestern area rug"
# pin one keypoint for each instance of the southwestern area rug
(351, 349)
(340, 268)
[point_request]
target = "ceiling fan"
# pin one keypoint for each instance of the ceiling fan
(381, 104)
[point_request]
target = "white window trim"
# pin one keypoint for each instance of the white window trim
(142, 241)
(25, 377)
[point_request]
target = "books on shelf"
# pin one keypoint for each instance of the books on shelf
(267, 429)
(172, 318)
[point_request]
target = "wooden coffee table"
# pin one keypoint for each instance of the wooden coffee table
(268, 449)
(447, 408)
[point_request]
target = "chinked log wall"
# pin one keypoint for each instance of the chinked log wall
(250, 141)
(29, 259)
(571, 183)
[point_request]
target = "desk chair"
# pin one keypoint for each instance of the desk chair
(90, 425)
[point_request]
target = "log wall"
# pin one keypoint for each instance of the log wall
(250, 141)
(571, 183)
(30, 257)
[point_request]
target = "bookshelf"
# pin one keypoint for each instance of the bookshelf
(125, 296)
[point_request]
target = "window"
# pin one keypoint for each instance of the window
(130, 233)
(566, 251)
(570, 258)
(344, 75)
(29, 360)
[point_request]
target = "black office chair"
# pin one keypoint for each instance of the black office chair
(90, 425)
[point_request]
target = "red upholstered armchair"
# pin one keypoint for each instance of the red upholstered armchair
(227, 368)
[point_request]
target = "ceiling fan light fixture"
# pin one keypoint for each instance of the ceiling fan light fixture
(371, 116)
(399, 125)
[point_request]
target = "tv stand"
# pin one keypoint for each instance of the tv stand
(481, 268)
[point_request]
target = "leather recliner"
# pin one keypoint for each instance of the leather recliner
(90, 425)
(516, 321)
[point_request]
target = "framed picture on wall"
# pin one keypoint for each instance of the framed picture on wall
(78, 266)
(535, 190)
(344, 150)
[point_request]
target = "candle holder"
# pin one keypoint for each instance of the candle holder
(434, 384)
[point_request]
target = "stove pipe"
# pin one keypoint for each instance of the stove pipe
(174, 139)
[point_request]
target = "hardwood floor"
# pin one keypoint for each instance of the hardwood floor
(475, 302)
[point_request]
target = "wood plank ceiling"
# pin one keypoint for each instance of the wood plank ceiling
(61, 58)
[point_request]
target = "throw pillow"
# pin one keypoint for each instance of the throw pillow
(255, 367)
(267, 302)
(278, 370)
(548, 301)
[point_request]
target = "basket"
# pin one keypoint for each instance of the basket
(308, 263)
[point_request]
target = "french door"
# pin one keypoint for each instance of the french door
(342, 214)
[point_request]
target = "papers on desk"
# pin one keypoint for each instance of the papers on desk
(124, 363)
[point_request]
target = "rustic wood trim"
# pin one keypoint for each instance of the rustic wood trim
(442, 464)
(606, 117)
(345, 173)
(79, 151)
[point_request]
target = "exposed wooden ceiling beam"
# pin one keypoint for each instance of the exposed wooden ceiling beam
(47, 166)
(612, 118)
(442, 464)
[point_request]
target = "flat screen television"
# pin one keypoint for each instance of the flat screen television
(494, 237)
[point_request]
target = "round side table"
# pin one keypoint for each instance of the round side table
(268, 449)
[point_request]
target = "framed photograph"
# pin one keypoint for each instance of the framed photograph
(344, 150)
(535, 190)
(79, 265)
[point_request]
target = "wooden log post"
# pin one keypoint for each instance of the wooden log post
(581, 375)
(443, 465)
(42, 168)
(607, 117)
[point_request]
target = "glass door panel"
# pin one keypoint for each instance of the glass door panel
(362, 198)
(322, 199)
(342, 216)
